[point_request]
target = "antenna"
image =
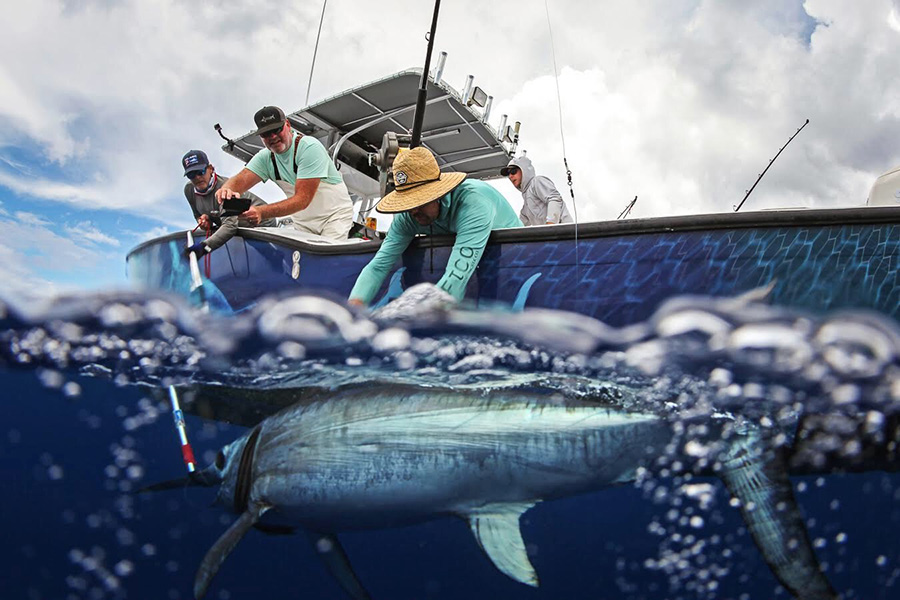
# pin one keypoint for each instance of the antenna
(750, 191)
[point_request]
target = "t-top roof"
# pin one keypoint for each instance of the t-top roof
(453, 132)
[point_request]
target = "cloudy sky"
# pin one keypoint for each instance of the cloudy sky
(680, 102)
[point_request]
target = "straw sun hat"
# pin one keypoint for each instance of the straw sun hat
(418, 181)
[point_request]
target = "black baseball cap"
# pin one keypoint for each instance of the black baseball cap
(268, 119)
(195, 160)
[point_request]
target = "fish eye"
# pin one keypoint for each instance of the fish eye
(220, 460)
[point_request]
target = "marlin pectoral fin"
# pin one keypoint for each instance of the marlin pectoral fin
(223, 547)
(331, 551)
(756, 475)
(496, 527)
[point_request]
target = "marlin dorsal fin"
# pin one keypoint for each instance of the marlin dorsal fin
(223, 547)
(496, 527)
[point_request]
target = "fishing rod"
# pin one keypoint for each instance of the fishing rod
(750, 191)
(423, 92)
(627, 210)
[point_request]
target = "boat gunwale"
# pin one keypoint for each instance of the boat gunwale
(865, 215)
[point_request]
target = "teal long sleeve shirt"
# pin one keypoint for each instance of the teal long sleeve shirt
(472, 210)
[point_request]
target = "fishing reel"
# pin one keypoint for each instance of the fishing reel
(391, 144)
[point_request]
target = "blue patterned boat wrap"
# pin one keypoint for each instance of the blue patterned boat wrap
(618, 273)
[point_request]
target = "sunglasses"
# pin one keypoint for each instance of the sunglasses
(195, 174)
(266, 136)
(512, 171)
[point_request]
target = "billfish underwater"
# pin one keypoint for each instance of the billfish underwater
(375, 457)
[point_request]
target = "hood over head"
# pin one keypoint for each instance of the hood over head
(524, 164)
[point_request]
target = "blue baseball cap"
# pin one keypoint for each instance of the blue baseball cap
(195, 160)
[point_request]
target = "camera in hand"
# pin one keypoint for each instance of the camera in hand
(234, 206)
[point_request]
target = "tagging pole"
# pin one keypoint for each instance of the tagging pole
(196, 281)
(187, 453)
(419, 117)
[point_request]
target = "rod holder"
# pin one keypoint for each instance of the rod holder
(467, 89)
(439, 69)
(487, 109)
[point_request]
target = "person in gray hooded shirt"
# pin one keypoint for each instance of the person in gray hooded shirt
(543, 204)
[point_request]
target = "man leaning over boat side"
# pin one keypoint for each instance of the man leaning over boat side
(200, 192)
(318, 200)
(543, 204)
(431, 202)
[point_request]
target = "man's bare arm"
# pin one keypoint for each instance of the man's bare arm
(304, 190)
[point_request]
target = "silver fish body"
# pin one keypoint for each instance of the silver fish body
(366, 460)
(386, 456)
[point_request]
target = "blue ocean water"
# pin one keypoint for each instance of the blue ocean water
(86, 423)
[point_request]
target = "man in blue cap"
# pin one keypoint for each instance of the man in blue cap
(317, 200)
(200, 192)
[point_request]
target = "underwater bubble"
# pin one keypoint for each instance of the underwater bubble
(55, 472)
(76, 555)
(720, 377)
(148, 550)
(840, 538)
(124, 568)
(135, 472)
(405, 361)
(51, 379)
(118, 314)
(292, 350)
(846, 394)
(881, 561)
(71, 389)
(477, 361)
(90, 563)
(754, 390)
(391, 340)
(77, 583)
(874, 421)
(696, 522)
(324, 545)
(125, 536)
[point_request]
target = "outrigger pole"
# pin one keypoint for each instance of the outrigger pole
(423, 91)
